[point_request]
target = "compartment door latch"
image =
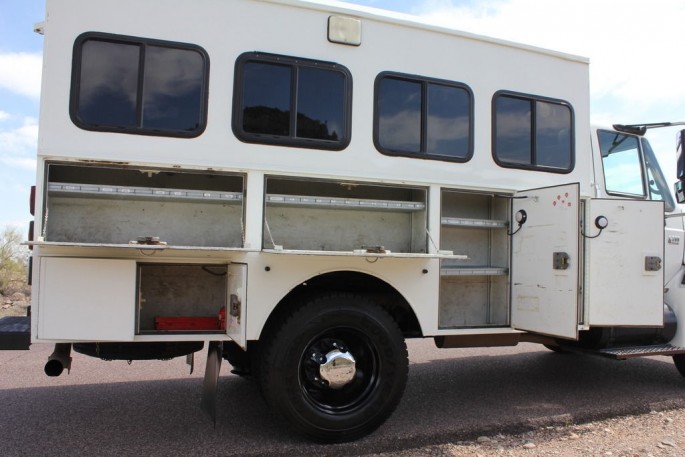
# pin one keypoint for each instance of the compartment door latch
(561, 261)
(235, 306)
(652, 263)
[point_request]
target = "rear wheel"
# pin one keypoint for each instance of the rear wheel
(336, 368)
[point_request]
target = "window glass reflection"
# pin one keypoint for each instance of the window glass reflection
(272, 91)
(136, 86)
(266, 98)
(172, 98)
(533, 133)
(622, 163)
(448, 125)
(399, 115)
(553, 135)
(108, 88)
(658, 186)
(513, 125)
(320, 104)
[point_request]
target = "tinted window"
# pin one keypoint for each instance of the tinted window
(108, 88)
(320, 104)
(533, 133)
(422, 117)
(399, 115)
(173, 89)
(514, 139)
(553, 135)
(270, 89)
(266, 103)
(448, 125)
(138, 86)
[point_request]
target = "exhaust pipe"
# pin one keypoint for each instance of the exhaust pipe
(59, 360)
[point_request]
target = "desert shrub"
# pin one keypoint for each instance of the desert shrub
(13, 262)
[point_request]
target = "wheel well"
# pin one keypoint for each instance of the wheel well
(379, 291)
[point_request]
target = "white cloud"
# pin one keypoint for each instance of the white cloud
(634, 46)
(18, 145)
(21, 73)
(4, 116)
(18, 141)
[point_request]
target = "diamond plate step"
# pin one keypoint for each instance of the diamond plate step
(623, 353)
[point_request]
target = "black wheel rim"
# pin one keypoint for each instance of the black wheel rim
(357, 392)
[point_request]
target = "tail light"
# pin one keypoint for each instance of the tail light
(31, 234)
(32, 210)
(32, 201)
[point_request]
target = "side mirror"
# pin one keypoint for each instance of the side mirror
(681, 155)
(680, 162)
(679, 192)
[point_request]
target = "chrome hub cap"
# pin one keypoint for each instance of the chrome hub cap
(339, 369)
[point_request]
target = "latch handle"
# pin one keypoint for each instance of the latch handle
(561, 261)
(652, 263)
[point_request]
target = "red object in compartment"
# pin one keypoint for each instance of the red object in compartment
(222, 318)
(180, 323)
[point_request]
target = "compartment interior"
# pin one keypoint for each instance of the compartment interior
(474, 292)
(108, 205)
(181, 298)
(343, 216)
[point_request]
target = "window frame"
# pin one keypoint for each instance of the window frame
(645, 195)
(292, 140)
(646, 156)
(533, 99)
(424, 81)
(74, 96)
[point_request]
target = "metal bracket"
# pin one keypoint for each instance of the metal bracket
(561, 261)
(652, 263)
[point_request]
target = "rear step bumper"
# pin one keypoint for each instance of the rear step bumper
(15, 333)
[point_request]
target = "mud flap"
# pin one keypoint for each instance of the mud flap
(211, 383)
(190, 361)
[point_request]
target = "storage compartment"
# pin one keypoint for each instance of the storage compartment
(182, 298)
(343, 216)
(96, 205)
(474, 292)
(474, 301)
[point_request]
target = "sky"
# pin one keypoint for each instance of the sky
(637, 69)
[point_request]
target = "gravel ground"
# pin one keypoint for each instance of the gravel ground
(654, 434)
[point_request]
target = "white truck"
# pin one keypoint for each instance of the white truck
(302, 185)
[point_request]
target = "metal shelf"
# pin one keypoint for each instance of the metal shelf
(449, 270)
(343, 203)
(473, 223)
(103, 191)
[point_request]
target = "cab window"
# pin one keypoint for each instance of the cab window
(658, 187)
(622, 163)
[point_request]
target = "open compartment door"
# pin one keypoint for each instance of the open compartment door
(545, 261)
